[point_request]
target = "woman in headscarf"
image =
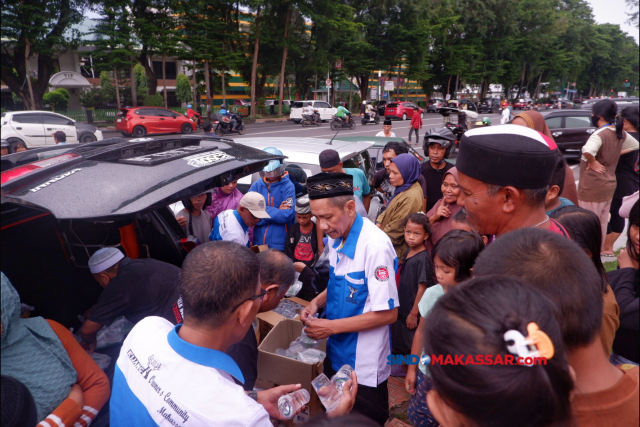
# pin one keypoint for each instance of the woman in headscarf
(441, 214)
(534, 120)
(225, 198)
(408, 198)
(65, 382)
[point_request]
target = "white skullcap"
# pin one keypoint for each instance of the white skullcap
(103, 259)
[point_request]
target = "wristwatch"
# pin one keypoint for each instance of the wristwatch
(253, 394)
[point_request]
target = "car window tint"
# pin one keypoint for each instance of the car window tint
(163, 113)
(321, 105)
(578, 122)
(51, 119)
(26, 118)
(145, 112)
(298, 105)
(554, 122)
(392, 105)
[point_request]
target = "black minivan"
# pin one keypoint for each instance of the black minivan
(489, 105)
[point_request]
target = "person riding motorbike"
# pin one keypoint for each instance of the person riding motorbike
(232, 121)
(192, 114)
(308, 110)
(343, 113)
(371, 111)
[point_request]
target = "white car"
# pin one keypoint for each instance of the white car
(325, 110)
(35, 128)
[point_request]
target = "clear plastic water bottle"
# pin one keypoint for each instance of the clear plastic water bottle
(327, 392)
(342, 376)
(291, 403)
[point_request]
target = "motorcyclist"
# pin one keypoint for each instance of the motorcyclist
(343, 113)
(232, 120)
(191, 114)
(371, 111)
(308, 110)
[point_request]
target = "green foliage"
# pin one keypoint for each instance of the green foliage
(142, 80)
(183, 89)
(57, 99)
(92, 98)
(108, 89)
(154, 100)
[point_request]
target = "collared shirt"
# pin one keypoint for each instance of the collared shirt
(230, 226)
(362, 278)
(160, 379)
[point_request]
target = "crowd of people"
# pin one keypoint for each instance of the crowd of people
(495, 258)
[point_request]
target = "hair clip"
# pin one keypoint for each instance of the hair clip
(536, 344)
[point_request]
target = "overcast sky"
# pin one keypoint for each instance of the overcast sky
(613, 12)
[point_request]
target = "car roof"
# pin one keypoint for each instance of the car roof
(7, 113)
(307, 150)
(377, 141)
(559, 113)
(116, 178)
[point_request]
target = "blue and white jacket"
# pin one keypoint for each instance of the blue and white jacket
(273, 231)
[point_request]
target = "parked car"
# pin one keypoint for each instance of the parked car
(562, 104)
(269, 102)
(85, 196)
(381, 106)
(140, 121)
(402, 110)
(305, 153)
(35, 128)
(242, 102)
(460, 103)
(570, 129)
(434, 103)
(325, 110)
(489, 105)
(519, 104)
(621, 102)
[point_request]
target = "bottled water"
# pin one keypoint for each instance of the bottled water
(327, 392)
(312, 355)
(307, 341)
(291, 403)
(342, 376)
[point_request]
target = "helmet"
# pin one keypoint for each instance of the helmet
(486, 121)
(189, 106)
(223, 106)
(275, 168)
(342, 103)
(441, 136)
(364, 102)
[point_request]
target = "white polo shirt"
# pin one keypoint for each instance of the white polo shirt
(362, 278)
(229, 226)
(162, 380)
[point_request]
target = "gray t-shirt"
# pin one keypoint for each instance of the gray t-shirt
(201, 226)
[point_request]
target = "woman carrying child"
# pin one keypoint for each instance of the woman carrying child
(453, 258)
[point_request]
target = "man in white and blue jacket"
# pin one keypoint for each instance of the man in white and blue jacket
(280, 195)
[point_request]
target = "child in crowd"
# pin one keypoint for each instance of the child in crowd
(302, 244)
(453, 257)
(472, 320)
(194, 218)
(416, 272)
(553, 201)
(460, 221)
(583, 227)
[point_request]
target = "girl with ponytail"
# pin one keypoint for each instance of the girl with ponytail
(600, 156)
(503, 318)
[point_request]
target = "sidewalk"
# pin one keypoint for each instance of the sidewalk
(398, 403)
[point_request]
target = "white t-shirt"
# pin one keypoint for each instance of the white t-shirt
(161, 380)
(381, 133)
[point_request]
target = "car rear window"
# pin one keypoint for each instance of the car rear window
(298, 104)
(554, 122)
(392, 105)
(122, 113)
(578, 122)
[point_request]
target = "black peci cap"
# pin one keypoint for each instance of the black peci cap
(329, 158)
(324, 185)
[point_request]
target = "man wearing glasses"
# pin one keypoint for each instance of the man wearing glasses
(277, 274)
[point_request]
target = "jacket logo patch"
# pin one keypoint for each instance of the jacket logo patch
(382, 274)
(350, 298)
(153, 364)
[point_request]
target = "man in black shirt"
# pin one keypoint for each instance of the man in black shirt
(381, 178)
(276, 277)
(134, 288)
(434, 170)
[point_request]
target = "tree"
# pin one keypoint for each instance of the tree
(57, 99)
(36, 27)
(183, 89)
(92, 98)
(142, 80)
(633, 16)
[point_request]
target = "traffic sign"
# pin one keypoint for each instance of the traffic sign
(573, 84)
(338, 64)
(328, 82)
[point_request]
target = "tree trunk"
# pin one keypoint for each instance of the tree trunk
(254, 66)
(117, 85)
(284, 62)
(535, 95)
(153, 79)
(134, 91)
(448, 85)
(315, 87)
(350, 93)
(224, 90)
(207, 85)
(455, 89)
(164, 80)
(194, 83)
(524, 69)
(32, 99)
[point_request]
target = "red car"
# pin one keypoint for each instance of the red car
(401, 110)
(520, 104)
(140, 121)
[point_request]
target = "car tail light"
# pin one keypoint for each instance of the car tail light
(27, 169)
(128, 117)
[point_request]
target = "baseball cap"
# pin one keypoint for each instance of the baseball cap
(255, 203)
(329, 158)
(104, 258)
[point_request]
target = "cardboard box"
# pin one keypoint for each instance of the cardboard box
(259, 248)
(267, 320)
(280, 370)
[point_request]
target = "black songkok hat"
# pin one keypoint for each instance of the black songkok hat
(508, 155)
(325, 185)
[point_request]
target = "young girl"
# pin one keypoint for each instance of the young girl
(473, 319)
(194, 218)
(453, 257)
(416, 272)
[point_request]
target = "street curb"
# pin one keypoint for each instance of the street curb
(284, 119)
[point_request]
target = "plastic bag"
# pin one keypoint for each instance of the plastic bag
(295, 288)
(115, 333)
(103, 360)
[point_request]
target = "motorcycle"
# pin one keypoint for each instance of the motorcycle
(308, 120)
(223, 125)
(370, 118)
(197, 119)
(338, 123)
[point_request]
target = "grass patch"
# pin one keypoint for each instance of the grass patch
(610, 265)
